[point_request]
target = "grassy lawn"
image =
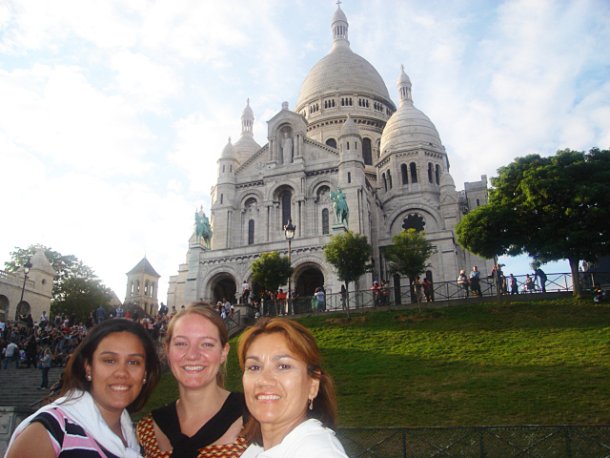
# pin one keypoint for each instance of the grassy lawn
(539, 362)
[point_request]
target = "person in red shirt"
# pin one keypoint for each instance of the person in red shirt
(282, 302)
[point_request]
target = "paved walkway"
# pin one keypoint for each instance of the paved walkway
(19, 387)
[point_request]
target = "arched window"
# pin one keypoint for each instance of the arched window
(385, 182)
(389, 180)
(221, 198)
(349, 177)
(413, 168)
(430, 172)
(285, 199)
(250, 204)
(251, 232)
(367, 152)
(325, 226)
(438, 174)
(331, 142)
(404, 175)
(146, 288)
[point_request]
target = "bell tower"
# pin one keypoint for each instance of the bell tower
(142, 287)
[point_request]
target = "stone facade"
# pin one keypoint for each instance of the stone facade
(37, 289)
(347, 134)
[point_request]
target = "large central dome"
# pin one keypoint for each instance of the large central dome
(342, 71)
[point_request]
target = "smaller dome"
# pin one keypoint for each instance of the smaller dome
(408, 126)
(339, 15)
(403, 79)
(248, 114)
(245, 147)
(228, 152)
(349, 127)
(447, 180)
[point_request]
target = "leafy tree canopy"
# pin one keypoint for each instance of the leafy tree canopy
(409, 253)
(551, 208)
(271, 270)
(81, 296)
(349, 253)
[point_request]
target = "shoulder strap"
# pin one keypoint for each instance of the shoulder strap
(166, 418)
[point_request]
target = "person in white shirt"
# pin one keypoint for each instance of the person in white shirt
(290, 397)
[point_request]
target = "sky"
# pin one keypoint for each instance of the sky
(113, 114)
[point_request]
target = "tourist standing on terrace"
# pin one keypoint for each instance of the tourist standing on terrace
(540, 275)
(475, 281)
(462, 281)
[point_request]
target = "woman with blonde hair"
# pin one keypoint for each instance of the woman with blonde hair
(290, 398)
(206, 419)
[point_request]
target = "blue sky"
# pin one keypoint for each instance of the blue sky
(113, 113)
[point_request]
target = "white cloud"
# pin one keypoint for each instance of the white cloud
(56, 112)
(145, 83)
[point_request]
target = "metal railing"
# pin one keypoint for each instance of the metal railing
(480, 441)
(441, 291)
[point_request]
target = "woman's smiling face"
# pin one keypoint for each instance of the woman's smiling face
(195, 352)
(117, 370)
(277, 385)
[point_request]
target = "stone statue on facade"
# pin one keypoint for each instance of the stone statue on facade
(286, 147)
(340, 206)
(203, 230)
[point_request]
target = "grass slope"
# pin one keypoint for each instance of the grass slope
(538, 362)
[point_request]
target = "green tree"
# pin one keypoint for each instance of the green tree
(551, 208)
(270, 271)
(349, 253)
(68, 294)
(81, 296)
(409, 254)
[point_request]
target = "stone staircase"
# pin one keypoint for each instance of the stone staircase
(19, 387)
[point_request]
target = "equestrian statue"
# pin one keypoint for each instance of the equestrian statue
(203, 231)
(340, 206)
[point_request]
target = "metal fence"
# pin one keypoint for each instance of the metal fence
(480, 441)
(441, 291)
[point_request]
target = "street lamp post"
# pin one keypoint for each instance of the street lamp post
(289, 230)
(26, 271)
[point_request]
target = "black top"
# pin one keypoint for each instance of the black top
(184, 446)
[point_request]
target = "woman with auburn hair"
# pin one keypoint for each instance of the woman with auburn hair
(110, 374)
(290, 398)
(206, 419)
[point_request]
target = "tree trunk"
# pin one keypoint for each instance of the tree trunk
(577, 292)
(347, 299)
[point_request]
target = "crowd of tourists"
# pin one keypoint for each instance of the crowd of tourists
(49, 342)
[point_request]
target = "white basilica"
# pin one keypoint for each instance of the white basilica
(346, 133)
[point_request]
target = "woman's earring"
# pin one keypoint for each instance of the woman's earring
(311, 404)
(144, 381)
(88, 377)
